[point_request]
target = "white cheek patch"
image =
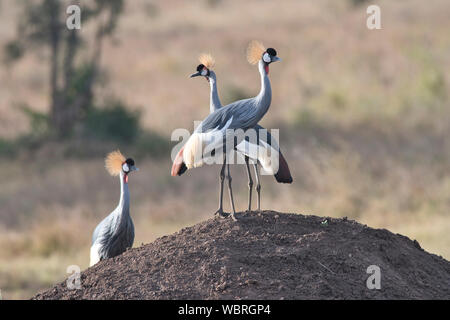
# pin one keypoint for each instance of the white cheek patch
(125, 167)
(266, 57)
(204, 72)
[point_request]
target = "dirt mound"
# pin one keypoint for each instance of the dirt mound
(268, 255)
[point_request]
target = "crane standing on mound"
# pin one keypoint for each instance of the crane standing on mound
(243, 114)
(204, 69)
(115, 233)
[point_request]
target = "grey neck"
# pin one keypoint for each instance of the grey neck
(264, 98)
(124, 203)
(214, 101)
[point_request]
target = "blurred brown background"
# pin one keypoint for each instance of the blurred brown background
(363, 116)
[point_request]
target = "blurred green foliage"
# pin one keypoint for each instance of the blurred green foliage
(13, 51)
(305, 118)
(213, 3)
(152, 10)
(357, 2)
(39, 122)
(6, 147)
(152, 144)
(234, 93)
(101, 129)
(115, 122)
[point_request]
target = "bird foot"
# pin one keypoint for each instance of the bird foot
(233, 217)
(220, 213)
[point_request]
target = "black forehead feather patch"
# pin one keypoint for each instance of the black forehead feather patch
(130, 162)
(272, 52)
(200, 67)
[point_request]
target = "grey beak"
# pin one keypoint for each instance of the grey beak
(133, 168)
(195, 75)
(274, 59)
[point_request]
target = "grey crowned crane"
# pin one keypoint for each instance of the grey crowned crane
(115, 233)
(205, 69)
(243, 114)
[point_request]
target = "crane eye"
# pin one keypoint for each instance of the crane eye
(125, 168)
(266, 57)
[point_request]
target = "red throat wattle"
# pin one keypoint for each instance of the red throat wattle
(125, 178)
(266, 67)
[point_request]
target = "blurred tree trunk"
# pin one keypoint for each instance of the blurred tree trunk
(55, 36)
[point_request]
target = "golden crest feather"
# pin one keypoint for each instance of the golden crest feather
(207, 60)
(113, 162)
(255, 51)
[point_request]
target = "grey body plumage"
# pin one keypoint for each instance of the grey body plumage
(115, 233)
(244, 114)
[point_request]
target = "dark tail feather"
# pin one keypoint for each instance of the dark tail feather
(182, 170)
(283, 175)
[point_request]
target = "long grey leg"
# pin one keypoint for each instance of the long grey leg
(222, 178)
(258, 186)
(250, 184)
(230, 191)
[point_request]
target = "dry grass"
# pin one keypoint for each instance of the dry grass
(364, 119)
